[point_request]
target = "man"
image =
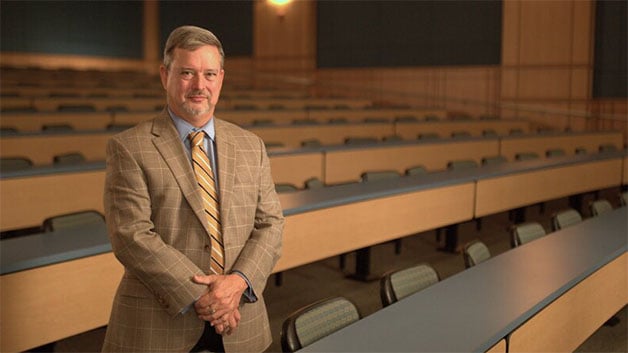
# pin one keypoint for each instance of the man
(195, 266)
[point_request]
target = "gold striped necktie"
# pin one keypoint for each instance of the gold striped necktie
(205, 177)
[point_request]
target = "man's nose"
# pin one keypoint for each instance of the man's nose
(198, 82)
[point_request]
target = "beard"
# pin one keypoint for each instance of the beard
(197, 111)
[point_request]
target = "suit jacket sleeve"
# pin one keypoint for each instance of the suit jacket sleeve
(160, 266)
(261, 251)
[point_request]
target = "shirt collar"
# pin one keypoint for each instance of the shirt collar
(184, 128)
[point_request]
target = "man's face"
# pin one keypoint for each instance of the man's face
(193, 83)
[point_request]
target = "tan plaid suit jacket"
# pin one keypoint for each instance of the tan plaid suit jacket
(156, 224)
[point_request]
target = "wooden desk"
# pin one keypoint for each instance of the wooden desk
(347, 164)
(317, 224)
(27, 201)
(517, 189)
(524, 290)
(42, 147)
(328, 134)
(569, 141)
(445, 128)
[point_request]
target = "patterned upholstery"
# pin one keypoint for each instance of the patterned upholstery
(279, 188)
(565, 218)
(526, 232)
(379, 175)
(73, 220)
(314, 183)
(598, 207)
(462, 164)
(416, 170)
(491, 160)
(68, 159)
(8, 164)
(399, 284)
(475, 252)
(316, 321)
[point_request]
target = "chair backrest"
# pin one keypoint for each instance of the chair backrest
(416, 170)
(73, 220)
(285, 187)
(489, 133)
(315, 321)
(392, 138)
(68, 159)
(460, 134)
(565, 218)
(462, 164)
(608, 147)
(524, 156)
(580, 150)
(429, 136)
(526, 232)
(554, 152)
(379, 175)
(57, 128)
(273, 144)
(475, 252)
(8, 164)
(492, 160)
(600, 206)
(360, 140)
(314, 183)
(398, 284)
(311, 143)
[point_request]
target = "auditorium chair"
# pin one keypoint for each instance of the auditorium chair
(57, 128)
(565, 218)
(361, 140)
(608, 147)
(406, 119)
(489, 133)
(599, 206)
(71, 158)
(525, 156)
(416, 170)
(474, 253)
(460, 134)
(315, 321)
(554, 152)
(524, 233)
(73, 220)
(392, 138)
(375, 120)
(309, 143)
(338, 121)
(428, 136)
(285, 187)
(314, 183)
(398, 284)
(493, 160)
(9, 164)
(462, 164)
(379, 175)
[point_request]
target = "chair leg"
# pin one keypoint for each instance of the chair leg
(278, 279)
(397, 246)
(342, 259)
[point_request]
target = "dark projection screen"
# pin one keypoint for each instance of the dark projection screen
(231, 21)
(609, 72)
(408, 33)
(94, 28)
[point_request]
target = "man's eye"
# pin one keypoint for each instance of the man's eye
(210, 75)
(187, 74)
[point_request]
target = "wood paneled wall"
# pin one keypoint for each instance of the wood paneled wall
(547, 59)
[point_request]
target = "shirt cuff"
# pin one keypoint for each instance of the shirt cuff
(249, 294)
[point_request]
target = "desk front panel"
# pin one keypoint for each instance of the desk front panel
(327, 134)
(53, 302)
(42, 148)
(521, 189)
(564, 324)
(568, 142)
(348, 165)
(410, 131)
(26, 202)
(297, 168)
(319, 234)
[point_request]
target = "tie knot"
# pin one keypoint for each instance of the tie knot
(197, 137)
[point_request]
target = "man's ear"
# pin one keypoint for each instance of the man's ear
(163, 73)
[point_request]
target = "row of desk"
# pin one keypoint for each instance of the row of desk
(44, 191)
(144, 103)
(35, 121)
(319, 224)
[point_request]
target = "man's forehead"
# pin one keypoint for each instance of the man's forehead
(206, 52)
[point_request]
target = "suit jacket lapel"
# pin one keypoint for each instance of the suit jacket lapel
(225, 151)
(169, 145)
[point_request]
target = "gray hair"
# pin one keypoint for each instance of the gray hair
(191, 38)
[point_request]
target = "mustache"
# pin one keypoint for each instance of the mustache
(197, 93)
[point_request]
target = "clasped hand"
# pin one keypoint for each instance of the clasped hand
(219, 305)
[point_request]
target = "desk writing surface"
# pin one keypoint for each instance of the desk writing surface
(568, 141)
(27, 252)
(449, 317)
